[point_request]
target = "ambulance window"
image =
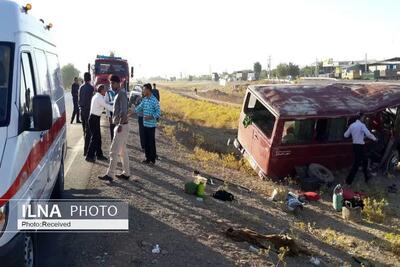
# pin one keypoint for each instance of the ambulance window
(55, 75)
(44, 82)
(298, 131)
(27, 90)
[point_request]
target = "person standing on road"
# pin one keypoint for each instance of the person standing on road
(109, 97)
(75, 97)
(358, 132)
(150, 107)
(85, 97)
(156, 93)
(140, 121)
(96, 108)
(121, 132)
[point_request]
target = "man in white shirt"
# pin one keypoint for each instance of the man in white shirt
(97, 106)
(358, 131)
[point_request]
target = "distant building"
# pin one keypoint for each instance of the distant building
(387, 69)
(215, 77)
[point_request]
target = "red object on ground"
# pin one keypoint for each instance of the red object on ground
(349, 194)
(312, 196)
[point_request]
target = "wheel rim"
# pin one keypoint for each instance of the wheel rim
(393, 162)
(28, 252)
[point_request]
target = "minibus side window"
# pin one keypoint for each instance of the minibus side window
(260, 115)
(27, 91)
(330, 129)
(55, 75)
(298, 131)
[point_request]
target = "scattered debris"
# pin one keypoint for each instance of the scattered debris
(264, 241)
(294, 202)
(337, 198)
(191, 188)
(279, 194)
(363, 262)
(156, 249)
(223, 195)
(199, 199)
(311, 196)
(351, 213)
(254, 249)
(315, 261)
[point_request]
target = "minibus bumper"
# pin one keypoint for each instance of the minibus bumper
(250, 159)
(12, 253)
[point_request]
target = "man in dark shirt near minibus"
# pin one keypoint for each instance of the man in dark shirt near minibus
(75, 97)
(85, 98)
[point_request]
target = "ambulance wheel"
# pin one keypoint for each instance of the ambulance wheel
(30, 251)
(58, 189)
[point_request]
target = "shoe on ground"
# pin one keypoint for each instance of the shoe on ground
(146, 161)
(89, 159)
(78, 122)
(105, 178)
(122, 176)
(102, 158)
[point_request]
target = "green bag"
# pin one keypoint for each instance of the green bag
(247, 121)
(191, 188)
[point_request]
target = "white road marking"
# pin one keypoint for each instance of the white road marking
(74, 153)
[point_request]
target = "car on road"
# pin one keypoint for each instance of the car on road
(286, 126)
(32, 126)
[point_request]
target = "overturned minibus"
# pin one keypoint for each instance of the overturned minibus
(284, 126)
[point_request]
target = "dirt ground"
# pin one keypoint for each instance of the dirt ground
(191, 233)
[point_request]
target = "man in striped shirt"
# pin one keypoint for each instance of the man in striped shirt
(150, 108)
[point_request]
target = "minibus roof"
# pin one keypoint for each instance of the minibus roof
(327, 100)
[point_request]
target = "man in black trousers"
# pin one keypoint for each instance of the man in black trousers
(97, 106)
(75, 94)
(85, 97)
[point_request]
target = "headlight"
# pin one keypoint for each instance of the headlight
(3, 218)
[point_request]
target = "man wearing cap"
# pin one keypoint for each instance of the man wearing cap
(358, 131)
(121, 131)
(85, 97)
(96, 108)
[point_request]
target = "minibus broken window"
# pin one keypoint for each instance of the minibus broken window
(298, 131)
(5, 80)
(260, 115)
(330, 129)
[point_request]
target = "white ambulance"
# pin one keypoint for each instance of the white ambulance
(32, 125)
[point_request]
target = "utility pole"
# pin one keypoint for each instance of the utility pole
(269, 67)
(366, 63)
(316, 68)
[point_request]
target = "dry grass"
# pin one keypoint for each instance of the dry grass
(394, 241)
(197, 112)
(374, 210)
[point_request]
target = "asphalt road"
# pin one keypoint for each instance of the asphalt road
(51, 246)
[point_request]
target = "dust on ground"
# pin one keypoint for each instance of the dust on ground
(191, 233)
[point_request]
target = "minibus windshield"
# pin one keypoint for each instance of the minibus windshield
(6, 56)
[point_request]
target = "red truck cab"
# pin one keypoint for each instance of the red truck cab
(105, 66)
(284, 126)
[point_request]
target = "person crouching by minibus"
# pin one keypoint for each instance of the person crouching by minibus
(98, 104)
(358, 132)
(150, 107)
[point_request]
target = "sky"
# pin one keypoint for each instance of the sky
(169, 37)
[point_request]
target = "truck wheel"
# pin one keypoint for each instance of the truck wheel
(58, 189)
(29, 251)
(392, 162)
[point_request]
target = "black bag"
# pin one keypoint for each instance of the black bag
(223, 195)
